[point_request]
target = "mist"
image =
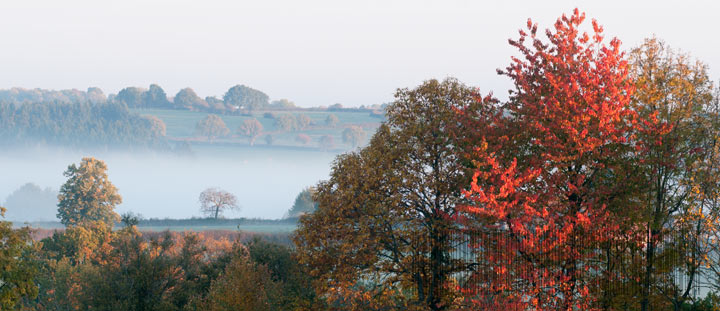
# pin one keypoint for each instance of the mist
(160, 185)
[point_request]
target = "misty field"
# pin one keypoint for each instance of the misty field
(180, 125)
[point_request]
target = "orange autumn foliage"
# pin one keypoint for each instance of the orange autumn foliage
(549, 180)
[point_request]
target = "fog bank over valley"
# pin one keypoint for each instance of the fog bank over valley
(265, 180)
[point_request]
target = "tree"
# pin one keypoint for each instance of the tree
(326, 142)
(332, 120)
(214, 201)
(246, 98)
(187, 99)
(282, 104)
(157, 126)
(88, 196)
(678, 157)
(251, 128)
(291, 276)
(32, 203)
(95, 95)
(244, 285)
(19, 264)
(302, 138)
(285, 122)
(304, 203)
(217, 105)
(155, 97)
(303, 121)
(555, 182)
(353, 136)
(212, 126)
(131, 96)
(385, 215)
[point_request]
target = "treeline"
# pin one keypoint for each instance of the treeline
(239, 99)
(79, 124)
(20, 95)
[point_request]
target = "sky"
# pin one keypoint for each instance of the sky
(313, 52)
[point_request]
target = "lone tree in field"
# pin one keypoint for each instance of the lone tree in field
(88, 196)
(212, 127)
(214, 201)
(251, 128)
(353, 136)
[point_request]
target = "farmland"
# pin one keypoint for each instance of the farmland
(180, 125)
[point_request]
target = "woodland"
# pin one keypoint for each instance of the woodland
(594, 186)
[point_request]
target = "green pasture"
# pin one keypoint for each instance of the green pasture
(180, 124)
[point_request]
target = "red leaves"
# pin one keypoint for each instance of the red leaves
(542, 185)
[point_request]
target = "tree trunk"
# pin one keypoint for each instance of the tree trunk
(650, 257)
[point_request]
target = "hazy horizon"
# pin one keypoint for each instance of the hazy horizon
(161, 185)
(314, 53)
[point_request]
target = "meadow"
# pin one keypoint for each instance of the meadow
(180, 125)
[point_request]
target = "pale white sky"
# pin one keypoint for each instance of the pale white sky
(314, 52)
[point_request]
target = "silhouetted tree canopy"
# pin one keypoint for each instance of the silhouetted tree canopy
(246, 98)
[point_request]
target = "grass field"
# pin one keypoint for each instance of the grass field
(243, 228)
(180, 125)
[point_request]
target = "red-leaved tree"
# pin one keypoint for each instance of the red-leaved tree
(553, 180)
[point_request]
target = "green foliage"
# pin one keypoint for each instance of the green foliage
(88, 195)
(76, 125)
(131, 96)
(384, 215)
(18, 264)
(155, 97)
(244, 285)
(304, 203)
(246, 98)
(711, 302)
(19, 96)
(292, 278)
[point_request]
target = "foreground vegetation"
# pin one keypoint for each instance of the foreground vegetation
(594, 187)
